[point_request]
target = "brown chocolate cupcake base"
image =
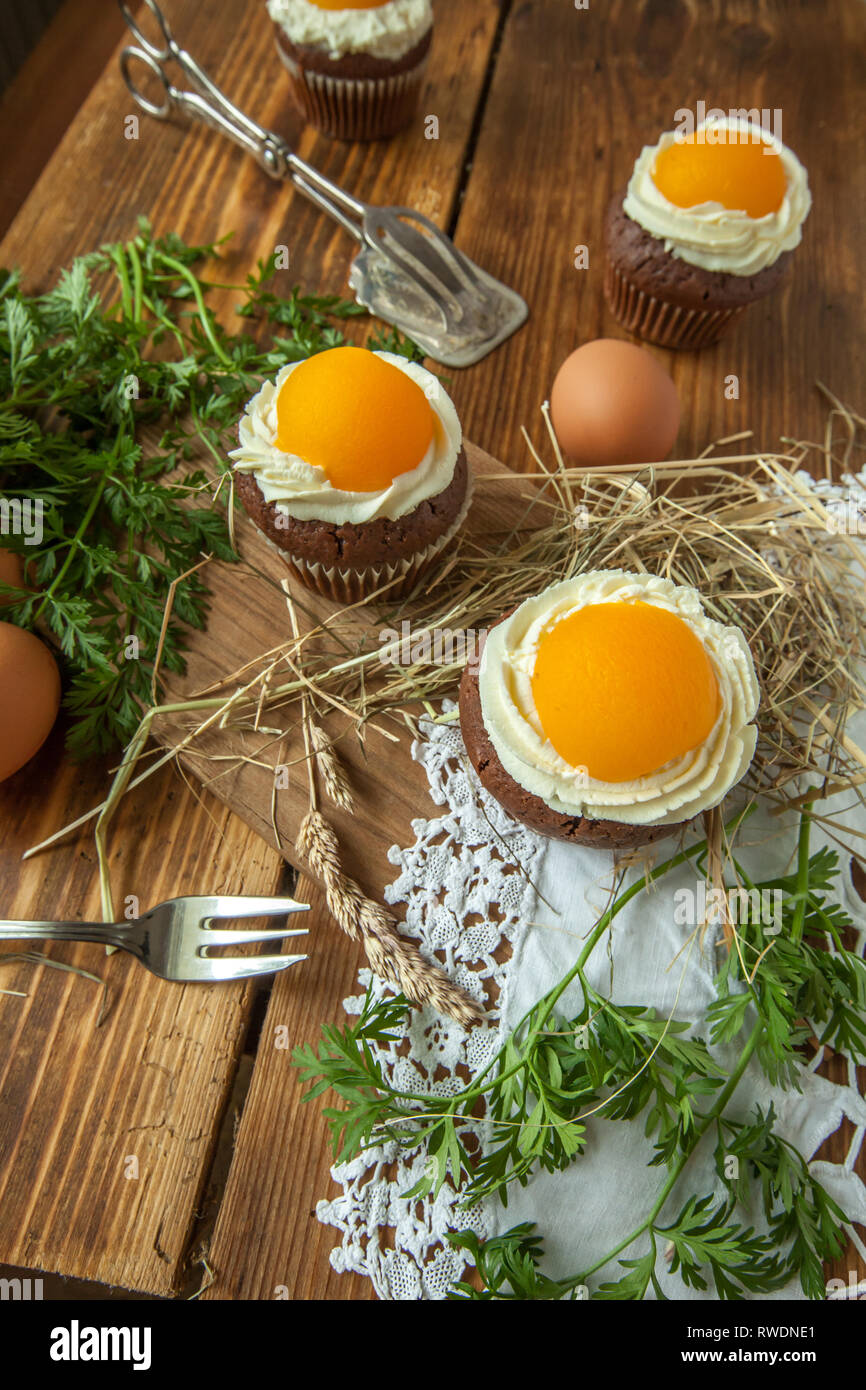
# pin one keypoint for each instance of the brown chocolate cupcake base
(664, 299)
(357, 96)
(657, 321)
(350, 561)
(529, 809)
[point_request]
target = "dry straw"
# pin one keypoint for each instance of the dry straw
(766, 552)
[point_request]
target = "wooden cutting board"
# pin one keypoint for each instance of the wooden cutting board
(249, 617)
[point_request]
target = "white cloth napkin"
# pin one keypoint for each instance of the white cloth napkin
(586, 1210)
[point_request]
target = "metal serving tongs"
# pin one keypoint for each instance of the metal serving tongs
(407, 272)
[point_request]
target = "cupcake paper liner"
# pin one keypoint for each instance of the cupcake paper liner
(659, 321)
(352, 586)
(355, 108)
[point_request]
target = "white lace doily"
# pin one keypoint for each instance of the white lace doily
(465, 902)
(467, 883)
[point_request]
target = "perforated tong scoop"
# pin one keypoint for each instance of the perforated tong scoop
(407, 272)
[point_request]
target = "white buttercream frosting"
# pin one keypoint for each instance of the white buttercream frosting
(303, 491)
(682, 788)
(712, 236)
(387, 31)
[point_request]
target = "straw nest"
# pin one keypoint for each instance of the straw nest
(766, 551)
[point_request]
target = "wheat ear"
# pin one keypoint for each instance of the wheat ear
(391, 956)
(333, 772)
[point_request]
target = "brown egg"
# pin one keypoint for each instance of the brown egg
(29, 696)
(11, 572)
(612, 403)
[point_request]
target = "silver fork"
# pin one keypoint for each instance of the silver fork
(173, 939)
(407, 271)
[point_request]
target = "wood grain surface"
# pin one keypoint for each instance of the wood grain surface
(542, 108)
(41, 101)
(107, 1132)
(268, 1242)
(265, 1239)
(575, 95)
(191, 182)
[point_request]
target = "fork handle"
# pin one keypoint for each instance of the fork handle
(105, 933)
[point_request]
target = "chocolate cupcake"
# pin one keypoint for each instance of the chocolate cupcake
(352, 464)
(355, 66)
(705, 227)
(609, 710)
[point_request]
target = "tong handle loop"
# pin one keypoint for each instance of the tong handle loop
(169, 48)
(205, 103)
(209, 104)
(143, 55)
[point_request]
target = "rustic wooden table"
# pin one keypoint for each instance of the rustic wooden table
(542, 107)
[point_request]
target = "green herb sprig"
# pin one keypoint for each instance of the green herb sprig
(625, 1062)
(125, 340)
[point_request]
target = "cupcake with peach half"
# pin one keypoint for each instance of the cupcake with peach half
(609, 710)
(355, 66)
(706, 226)
(352, 463)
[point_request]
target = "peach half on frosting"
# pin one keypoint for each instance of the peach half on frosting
(355, 416)
(614, 696)
(594, 711)
(743, 175)
(349, 436)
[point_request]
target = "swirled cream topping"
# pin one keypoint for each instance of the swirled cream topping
(731, 197)
(304, 490)
(613, 696)
(386, 30)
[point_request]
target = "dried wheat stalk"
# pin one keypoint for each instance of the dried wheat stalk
(393, 958)
(717, 863)
(333, 773)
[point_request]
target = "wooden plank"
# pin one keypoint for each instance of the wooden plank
(568, 144)
(45, 95)
(72, 1109)
(575, 95)
(564, 142)
(268, 1242)
(21, 25)
(266, 1236)
(79, 1102)
(189, 180)
(194, 184)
